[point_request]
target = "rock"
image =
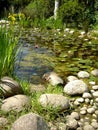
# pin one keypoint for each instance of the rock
(30, 121)
(71, 78)
(15, 103)
(75, 115)
(83, 112)
(9, 87)
(79, 128)
(95, 87)
(87, 100)
(88, 127)
(83, 74)
(80, 100)
(87, 95)
(92, 82)
(52, 78)
(71, 123)
(3, 122)
(95, 94)
(75, 87)
(37, 88)
(91, 110)
(95, 124)
(94, 72)
(54, 100)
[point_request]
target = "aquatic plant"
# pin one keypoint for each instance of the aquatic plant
(8, 42)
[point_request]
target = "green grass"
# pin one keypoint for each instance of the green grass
(8, 42)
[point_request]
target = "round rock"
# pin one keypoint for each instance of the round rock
(83, 74)
(30, 121)
(52, 78)
(75, 87)
(54, 100)
(9, 87)
(15, 103)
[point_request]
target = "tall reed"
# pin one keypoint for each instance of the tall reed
(8, 42)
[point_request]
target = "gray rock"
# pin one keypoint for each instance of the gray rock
(91, 110)
(79, 128)
(75, 115)
(95, 94)
(96, 100)
(52, 78)
(15, 103)
(83, 74)
(3, 122)
(87, 100)
(95, 124)
(95, 87)
(30, 121)
(71, 78)
(71, 123)
(9, 87)
(54, 100)
(88, 127)
(37, 88)
(75, 87)
(86, 95)
(83, 112)
(94, 72)
(80, 100)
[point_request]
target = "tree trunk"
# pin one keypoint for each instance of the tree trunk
(56, 8)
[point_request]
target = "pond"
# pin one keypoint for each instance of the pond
(64, 52)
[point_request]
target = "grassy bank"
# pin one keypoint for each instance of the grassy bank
(8, 42)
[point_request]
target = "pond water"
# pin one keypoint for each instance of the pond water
(33, 61)
(65, 53)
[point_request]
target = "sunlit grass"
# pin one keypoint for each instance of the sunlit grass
(8, 42)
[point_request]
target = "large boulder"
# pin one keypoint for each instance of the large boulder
(52, 78)
(9, 87)
(54, 100)
(75, 87)
(15, 103)
(30, 121)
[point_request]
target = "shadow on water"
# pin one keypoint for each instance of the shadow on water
(32, 62)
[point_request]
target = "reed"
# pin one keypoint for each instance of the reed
(8, 42)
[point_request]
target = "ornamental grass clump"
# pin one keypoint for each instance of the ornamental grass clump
(8, 42)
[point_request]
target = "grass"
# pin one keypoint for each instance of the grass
(8, 43)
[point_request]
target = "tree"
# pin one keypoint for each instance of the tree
(81, 13)
(56, 6)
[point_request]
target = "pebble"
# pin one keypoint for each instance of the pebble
(91, 110)
(87, 95)
(95, 94)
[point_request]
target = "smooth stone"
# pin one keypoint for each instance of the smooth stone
(95, 124)
(83, 112)
(83, 74)
(16, 103)
(53, 78)
(86, 95)
(71, 123)
(9, 87)
(54, 100)
(37, 88)
(95, 87)
(30, 121)
(3, 122)
(71, 78)
(75, 115)
(75, 87)
(94, 72)
(91, 110)
(87, 100)
(88, 127)
(95, 94)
